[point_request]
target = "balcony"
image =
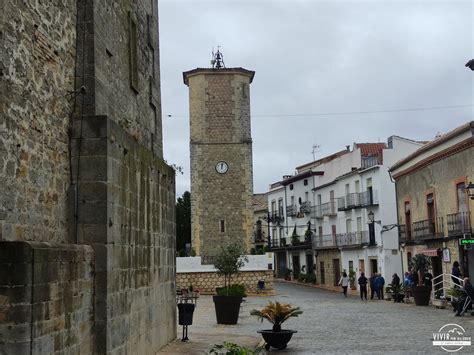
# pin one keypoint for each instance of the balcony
(459, 223)
(369, 198)
(276, 218)
(317, 211)
(306, 207)
(357, 200)
(329, 208)
(428, 229)
(298, 242)
(404, 235)
(278, 243)
(259, 236)
(353, 239)
(291, 211)
(327, 241)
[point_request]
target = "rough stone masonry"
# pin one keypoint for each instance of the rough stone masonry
(86, 201)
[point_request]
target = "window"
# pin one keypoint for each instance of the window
(319, 200)
(305, 182)
(357, 186)
(348, 226)
(320, 231)
(282, 232)
(359, 224)
(280, 207)
(222, 226)
(348, 188)
(306, 196)
(274, 207)
(291, 186)
(461, 194)
(431, 212)
(274, 233)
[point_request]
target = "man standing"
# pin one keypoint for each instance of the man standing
(363, 286)
(467, 291)
(379, 284)
(372, 286)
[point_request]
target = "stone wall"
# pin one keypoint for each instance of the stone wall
(126, 212)
(207, 282)
(220, 131)
(37, 68)
(46, 298)
(81, 168)
(327, 257)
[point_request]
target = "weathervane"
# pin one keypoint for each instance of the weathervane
(217, 60)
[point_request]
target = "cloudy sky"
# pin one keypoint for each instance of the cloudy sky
(328, 73)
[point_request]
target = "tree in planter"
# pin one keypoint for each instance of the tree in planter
(420, 264)
(295, 238)
(228, 262)
(352, 278)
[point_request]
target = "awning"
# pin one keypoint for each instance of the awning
(430, 252)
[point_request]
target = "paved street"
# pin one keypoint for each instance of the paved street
(334, 324)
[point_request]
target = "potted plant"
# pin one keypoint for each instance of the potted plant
(352, 278)
(439, 301)
(227, 302)
(288, 274)
(397, 292)
(233, 349)
(420, 264)
(276, 313)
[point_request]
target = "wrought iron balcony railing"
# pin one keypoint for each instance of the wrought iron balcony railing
(428, 229)
(357, 199)
(459, 223)
(291, 210)
(324, 241)
(353, 239)
(306, 207)
(317, 211)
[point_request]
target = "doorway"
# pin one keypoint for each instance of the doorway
(337, 271)
(296, 266)
(322, 273)
(282, 266)
(309, 264)
(437, 267)
(374, 268)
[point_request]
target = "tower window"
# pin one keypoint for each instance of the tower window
(291, 186)
(305, 182)
(222, 226)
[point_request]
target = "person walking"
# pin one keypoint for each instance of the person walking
(362, 281)
(344, 282)
(456, 272)
(379, 283)
(372, 286)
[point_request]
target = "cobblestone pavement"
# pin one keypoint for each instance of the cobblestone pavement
(334, 324)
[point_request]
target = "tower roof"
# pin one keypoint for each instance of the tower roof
(197, 71)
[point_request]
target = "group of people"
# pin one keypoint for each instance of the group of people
(376, 283)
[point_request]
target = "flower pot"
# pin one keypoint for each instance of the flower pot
(227, 309)
(439, 303)
(277, 340)
(421, 295)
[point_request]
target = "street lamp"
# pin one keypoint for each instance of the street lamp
(470, 64)
(470, 186)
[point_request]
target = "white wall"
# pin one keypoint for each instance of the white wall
(193, 264)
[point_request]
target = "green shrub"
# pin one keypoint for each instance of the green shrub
(232, 290)
(233, 349)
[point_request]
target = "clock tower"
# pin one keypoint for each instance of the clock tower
(221, 157)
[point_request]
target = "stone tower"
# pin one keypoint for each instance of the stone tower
(221, 158)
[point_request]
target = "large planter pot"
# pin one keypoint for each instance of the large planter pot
(438, 303)
(277, 340)
(227, 309)
(421, 295)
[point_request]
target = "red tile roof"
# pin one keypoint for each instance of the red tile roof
(370, 149)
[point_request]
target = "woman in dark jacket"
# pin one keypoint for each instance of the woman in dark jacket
(456, 272)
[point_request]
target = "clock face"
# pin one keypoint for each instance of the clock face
(222, 167)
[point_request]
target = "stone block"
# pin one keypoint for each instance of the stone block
(11, 252)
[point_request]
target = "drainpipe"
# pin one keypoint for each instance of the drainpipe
(398, 228)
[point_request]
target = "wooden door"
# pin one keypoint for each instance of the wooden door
(337, 271)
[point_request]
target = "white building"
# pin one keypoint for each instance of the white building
(347, 200)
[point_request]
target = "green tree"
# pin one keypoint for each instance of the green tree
(183, 221)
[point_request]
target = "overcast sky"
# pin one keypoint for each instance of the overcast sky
(313, 58)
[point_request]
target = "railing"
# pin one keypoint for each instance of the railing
(329, 208)
(278, 243)
(324, 241)
(369, 198)
(291, 210)
(306, 207)
(444, 281)
(276, 218)
(459, 223)
(428, 229)
(353, 239)
(301, 241)
(357, 199)
(403, 237)
(367, 162)
(258, 236)
(317, 211)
